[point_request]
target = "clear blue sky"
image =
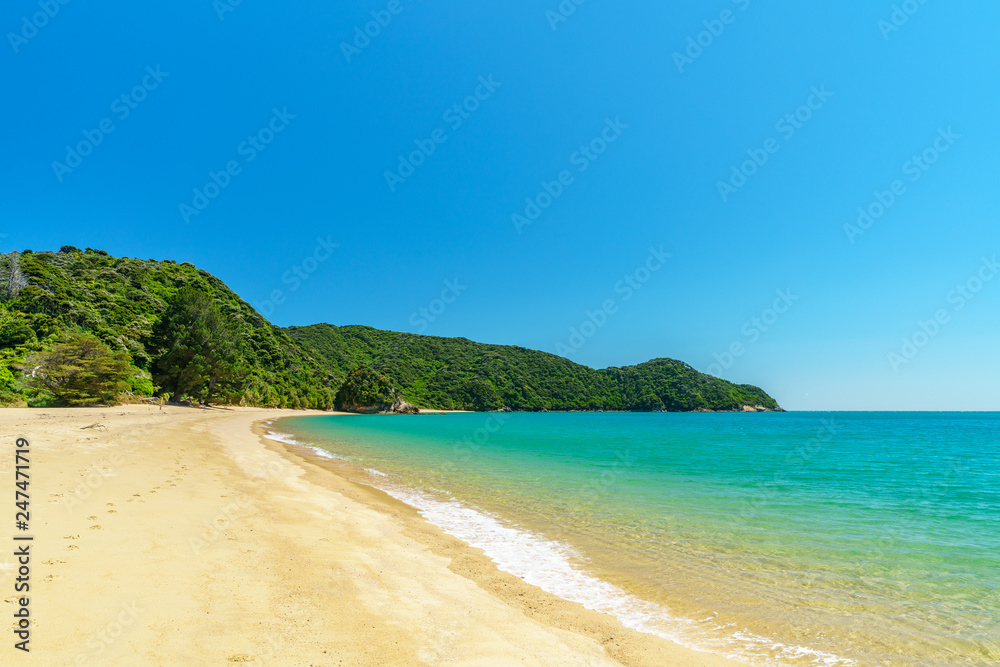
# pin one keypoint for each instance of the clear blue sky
(678, 126)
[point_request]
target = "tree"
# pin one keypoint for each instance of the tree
(366, 390)
(12, 281)
(199, 349)
(14, 330)
(10, 391)
(79, 370)
(478, 394)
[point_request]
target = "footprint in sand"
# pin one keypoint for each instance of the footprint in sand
(71, 547)
(112, 512)
(96, 528)
(110, 504)
(52, 562)
(91, 518)
(71, 537)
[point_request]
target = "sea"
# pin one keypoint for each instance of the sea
(798, 538)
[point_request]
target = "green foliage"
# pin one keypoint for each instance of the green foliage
(198, 349)
(666, 384)
(78, 370)
(10, 389)
(456, 373)
(121, 301)
(141, 383)
(186, 333)
(366, 390)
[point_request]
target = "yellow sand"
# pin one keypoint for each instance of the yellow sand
(179, 536)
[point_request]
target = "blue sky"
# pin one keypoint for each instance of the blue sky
(615, 120)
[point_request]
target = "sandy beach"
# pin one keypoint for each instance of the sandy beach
(183, 536)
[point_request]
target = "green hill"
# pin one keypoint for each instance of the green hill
(185, 333)
(456, 373)
(121, 300)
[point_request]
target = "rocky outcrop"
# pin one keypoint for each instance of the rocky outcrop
(369, 392)
(745, 408)
(401, 407)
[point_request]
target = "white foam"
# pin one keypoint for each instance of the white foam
(288, 439)
(325, 454)
(549, 564)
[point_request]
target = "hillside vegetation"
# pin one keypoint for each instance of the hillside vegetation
(174, 329)
(121, 301)
(456, 373)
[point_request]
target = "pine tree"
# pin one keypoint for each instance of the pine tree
(199, 349)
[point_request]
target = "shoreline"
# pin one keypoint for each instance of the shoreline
(193, 536)
(625, 645)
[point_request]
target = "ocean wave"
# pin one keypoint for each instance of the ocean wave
(549, 565)
(289, 439)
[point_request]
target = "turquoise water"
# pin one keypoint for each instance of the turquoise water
(795, 538)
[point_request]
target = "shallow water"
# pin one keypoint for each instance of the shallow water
(795, 538)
